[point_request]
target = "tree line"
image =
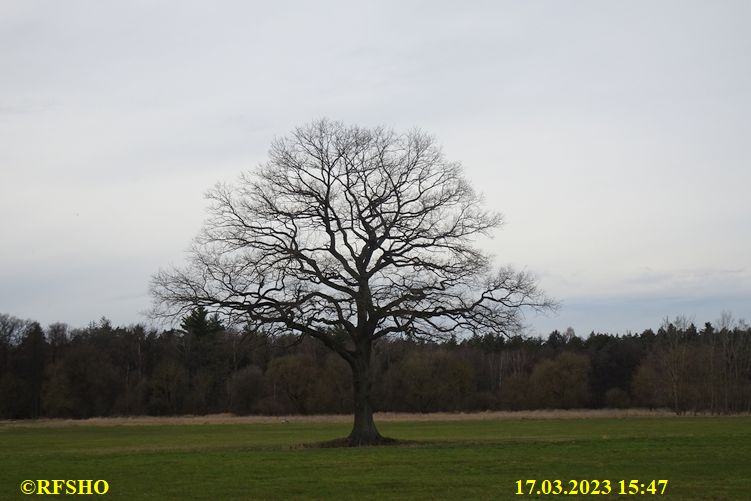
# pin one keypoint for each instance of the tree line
(204, 367)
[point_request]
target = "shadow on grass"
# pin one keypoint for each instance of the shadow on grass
(348, 442)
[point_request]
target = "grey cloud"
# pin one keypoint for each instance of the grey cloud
(612, 135)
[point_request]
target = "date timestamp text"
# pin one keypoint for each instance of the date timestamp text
(590, 487)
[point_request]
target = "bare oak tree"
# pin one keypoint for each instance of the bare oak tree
(348, 235)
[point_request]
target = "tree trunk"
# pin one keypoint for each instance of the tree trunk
(364, 431)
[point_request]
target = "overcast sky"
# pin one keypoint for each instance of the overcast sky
(615, 137)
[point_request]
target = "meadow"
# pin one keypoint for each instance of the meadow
(442, 457)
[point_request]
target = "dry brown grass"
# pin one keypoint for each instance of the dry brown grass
(379, 417)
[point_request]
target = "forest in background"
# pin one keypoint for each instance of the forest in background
(203, 368)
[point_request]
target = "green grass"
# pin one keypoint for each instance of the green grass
(702, 457)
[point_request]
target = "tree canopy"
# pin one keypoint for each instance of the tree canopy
(347, 235)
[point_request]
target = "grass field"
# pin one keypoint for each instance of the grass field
(449, 458)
